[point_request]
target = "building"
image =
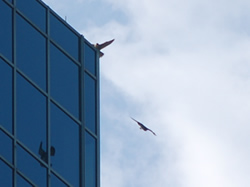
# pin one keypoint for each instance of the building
(49, 100)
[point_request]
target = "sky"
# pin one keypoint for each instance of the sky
(182, 68)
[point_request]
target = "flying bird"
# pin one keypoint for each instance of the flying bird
(143, 127)
(103, 45)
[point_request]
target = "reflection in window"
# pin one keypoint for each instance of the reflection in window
(64, 36)
(5, 147)
(64, 81)
(90, 161)
(90, 102)
(34, 11)
(6, 96)
(31, 52)
(5, 174)
(89, 59)
(31, 115)
(6, 30)
(30, 167)
(65, 138)
(44, 154)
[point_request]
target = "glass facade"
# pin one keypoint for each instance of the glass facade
(49, 100)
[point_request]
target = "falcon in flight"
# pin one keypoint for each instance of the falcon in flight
(103, 45)
(143, 127)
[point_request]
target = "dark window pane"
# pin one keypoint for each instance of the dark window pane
(31, 52)
(90, 102)
(65, 139)
(64, 36)
(90, 161)
(5, 96)
(64, 81)
(5, 147)
(56, 182)
(31, 115)
(34, 11)
(21, 182)
(30, 167)
(90, 59)
(5, 174)
(6, 30)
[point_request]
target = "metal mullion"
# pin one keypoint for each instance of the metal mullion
(98, 120)
(14, 156)
(48, 94)
(82, 127)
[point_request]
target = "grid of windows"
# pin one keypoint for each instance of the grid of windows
(49, 100)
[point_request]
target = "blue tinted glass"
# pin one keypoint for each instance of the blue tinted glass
(34, 11)
(22, 182)
(56, 182)
(6, 30)
(31, 52)
(5, 174)
(31, 115)
(64, 81)
(90, 59)
(30, 167)
(65, 139)
(5, 96)
(90, 102)
(5, 146)
(9, 1)
(64, 36)
(90, 161)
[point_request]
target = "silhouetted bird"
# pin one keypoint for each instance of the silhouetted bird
(103, 45)
(143, 127)
(44, 155)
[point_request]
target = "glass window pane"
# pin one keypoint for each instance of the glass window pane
(34, 11)
(31, 115)
(5, 147)
(64, 81)
(6, 30)
(31, 52)
(6, 96)
(21, 182)
(30, 167)
(65, 139)
(56, 182)
(64, 36)
(90, 59)
(90, 161)
(90, 102)
(5, 174)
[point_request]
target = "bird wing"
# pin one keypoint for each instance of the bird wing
(105, 44)
(152, 131)
(40, 151)
(143, 127)
(140, 124)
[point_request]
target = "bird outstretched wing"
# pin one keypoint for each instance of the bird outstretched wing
(143, 127)
(152, 131)
(103, 45)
